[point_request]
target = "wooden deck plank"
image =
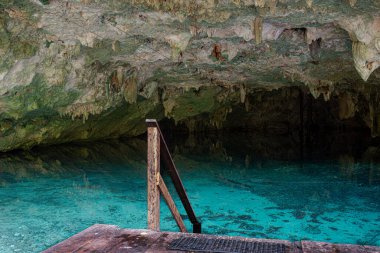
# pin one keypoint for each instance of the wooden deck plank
(106, 238)
(324, 247)
(160, 246)
(134, 241)
(112, 239)
(86, 237)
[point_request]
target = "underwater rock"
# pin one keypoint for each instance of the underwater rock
(298, 214)
(314, 230)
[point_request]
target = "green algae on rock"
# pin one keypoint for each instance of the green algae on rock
(87, 70)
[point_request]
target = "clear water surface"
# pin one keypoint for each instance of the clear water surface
(47, 195)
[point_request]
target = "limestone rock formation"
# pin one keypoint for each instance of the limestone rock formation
(89, 69)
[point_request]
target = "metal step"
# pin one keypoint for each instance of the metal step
(225, 246)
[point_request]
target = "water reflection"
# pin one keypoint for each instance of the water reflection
(239, 184)
(71, 159)
(358, 160)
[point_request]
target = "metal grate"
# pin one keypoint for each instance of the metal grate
(225, 246)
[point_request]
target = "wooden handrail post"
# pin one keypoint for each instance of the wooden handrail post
(153, 170)
(156, 144)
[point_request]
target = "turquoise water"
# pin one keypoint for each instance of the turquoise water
(47, 195)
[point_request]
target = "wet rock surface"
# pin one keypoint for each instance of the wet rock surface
(88, 70)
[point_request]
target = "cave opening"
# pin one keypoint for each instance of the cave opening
(277, 121)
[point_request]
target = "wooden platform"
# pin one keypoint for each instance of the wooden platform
(111, 239)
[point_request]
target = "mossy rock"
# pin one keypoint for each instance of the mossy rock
(4, 40)
(4, 36)
(23, 49)
(38, 99)
(193, 103)
(2, 19)
(102, 55)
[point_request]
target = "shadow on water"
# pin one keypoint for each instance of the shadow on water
(72, 159)
(235, 149)
(239, 183)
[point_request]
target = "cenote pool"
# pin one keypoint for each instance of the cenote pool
(238, 185)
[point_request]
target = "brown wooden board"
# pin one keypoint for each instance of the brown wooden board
(173, 208)
(112, 239)
(153, 172)
(324, 247)
(173, 173)
(107, 238)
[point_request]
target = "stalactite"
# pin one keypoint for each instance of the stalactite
(258, 29)
(242, 94)
(365, 36)
(82, 110)
(107, 88)
(149, 89)
(115, 85)
(374, 113)
(169, 106)
(130, 86)
(352, 2)
(247, 105)
(178, 44)
(272, 4)
(260, 3)
(347, 106)
(309, 3)
(130, 90)
(120, 74)
(191, 125)
(220, 116)
(360, 54)
(324, 88)
(315, 49)
(217, 52)
(116, 46)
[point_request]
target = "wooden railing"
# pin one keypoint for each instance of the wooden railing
(158, 152)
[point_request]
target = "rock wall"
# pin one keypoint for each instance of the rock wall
(87, 69)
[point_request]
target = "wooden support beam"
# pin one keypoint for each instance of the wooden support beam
(153, 170)
(169, 201)
(169, 164)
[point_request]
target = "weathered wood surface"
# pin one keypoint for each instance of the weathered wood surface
(173, 208)
(323, 247)
(153, 171)
(112, 239)
(157, 149)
